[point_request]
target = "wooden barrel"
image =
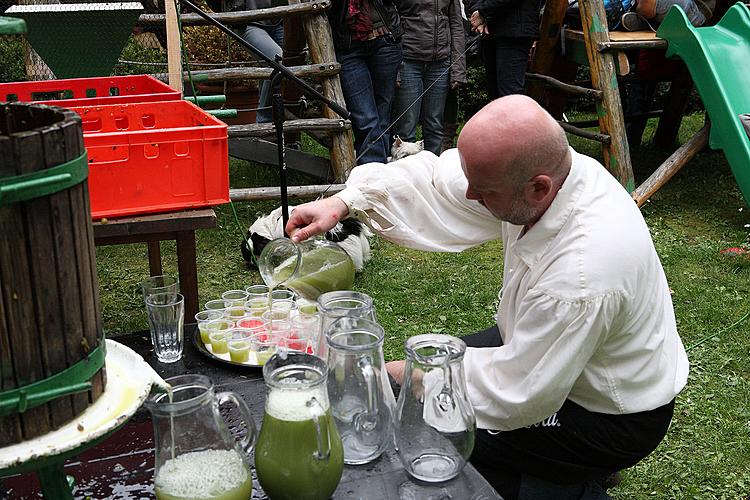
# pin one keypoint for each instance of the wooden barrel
(50, 323)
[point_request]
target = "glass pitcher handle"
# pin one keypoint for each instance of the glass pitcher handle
(248, 441)
(368, 372)
(316, 411)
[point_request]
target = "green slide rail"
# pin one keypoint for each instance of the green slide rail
(718, 58)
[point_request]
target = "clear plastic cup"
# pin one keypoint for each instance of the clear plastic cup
(234, 298)
(257, 292)
(218, 331)
(236, 312)
(202, 318)
(257, 306)
(262, 346)
(215, 305)
(238, 344)
(283, 293)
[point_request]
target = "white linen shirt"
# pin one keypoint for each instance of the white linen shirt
(585, 310)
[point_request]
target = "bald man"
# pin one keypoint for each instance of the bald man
(578, 377)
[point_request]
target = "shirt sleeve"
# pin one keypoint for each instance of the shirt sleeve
(420, 202)
(529, 378)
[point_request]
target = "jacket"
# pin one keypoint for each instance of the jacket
(433, 30)
(509, 18)
(342, 38)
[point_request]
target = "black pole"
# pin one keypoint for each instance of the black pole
(306, 87)
(278, 121)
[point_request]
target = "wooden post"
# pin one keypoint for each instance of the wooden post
(174, 51)
(320, 44)
(547, 47)
(604, 77)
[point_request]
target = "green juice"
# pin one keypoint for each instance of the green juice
(323, 270)
(204, 475)
(285, 462)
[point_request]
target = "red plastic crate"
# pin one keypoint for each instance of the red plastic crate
(154, 157)
(90, 91)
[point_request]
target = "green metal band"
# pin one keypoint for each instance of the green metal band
(44, 182)
(74, 379)
(12, 26)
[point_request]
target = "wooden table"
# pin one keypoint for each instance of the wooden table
(154, 228)
(122, 466)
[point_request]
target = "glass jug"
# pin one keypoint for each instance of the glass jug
(310, 268)
(196, 455)
(435, 424)
(299, 454)
(362, 401)
(335, 305)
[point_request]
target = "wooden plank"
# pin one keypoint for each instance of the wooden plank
(241, 17)
(547, 48)
(609, 109)
(266, 152)
(565, 87)
(174, 52)
(274, 193)
(255, 73)
(320, 44)
(155, 223)
(671, 166)
(330, 125)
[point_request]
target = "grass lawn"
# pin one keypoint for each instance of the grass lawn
(697, 214)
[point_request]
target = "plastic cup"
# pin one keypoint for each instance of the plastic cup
(218, 331)
(257, 292)
(238, 344)
(252, 323)
(263, 347)
(234, 298)
(283, 293)
(257, 306)
(236, 312)
(202, 318)
(215, 305)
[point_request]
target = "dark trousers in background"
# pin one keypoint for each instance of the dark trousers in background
(562, 456)
(505, 61)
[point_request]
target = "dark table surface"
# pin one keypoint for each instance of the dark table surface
(122, 466)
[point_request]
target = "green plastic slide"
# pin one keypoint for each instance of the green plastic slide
(718, 58)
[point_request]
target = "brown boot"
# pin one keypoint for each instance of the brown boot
(449, 135)
(646, 8)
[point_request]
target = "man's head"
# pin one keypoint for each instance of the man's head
(515, 157)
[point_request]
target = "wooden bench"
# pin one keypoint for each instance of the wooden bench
(154, 228)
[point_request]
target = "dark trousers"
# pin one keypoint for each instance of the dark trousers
(563, 456)
(505, 61)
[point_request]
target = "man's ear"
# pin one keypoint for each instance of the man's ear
(538, 189)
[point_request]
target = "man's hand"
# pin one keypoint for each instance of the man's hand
(455, 85)
(478, 24)
(396, 370)
(316, 217)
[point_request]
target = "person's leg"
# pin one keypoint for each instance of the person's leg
(450, 120)
(694, 14)
(360, 100)
(487, 51)
(511, 60)
(383, 62)
(571, 447)
(437, 80)
(406, 104)
(264, 39)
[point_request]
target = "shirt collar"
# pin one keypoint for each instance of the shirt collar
(535, 242)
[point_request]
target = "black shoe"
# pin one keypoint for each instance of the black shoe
(632, 21)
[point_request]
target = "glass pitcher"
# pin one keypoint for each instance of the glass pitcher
(435, 424)
(362, 401)
(310, 268)
(335, 305)
(299, 454)
(196, 455)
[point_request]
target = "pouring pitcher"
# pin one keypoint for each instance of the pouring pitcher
(435, 423)
(196, 455)
(299, 454)
(362, 401)
(335, 305)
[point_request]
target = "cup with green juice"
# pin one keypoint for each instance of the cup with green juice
(238, 344)
(202, 318)
(218, 330)
(262, 346)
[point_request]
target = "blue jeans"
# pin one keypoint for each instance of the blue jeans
(368, 80)
(268, 39)
(694, 14)
(416, 76)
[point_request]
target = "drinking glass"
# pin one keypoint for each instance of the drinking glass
(159, 284)
(166, 314)
(335, 305)
(202, 318)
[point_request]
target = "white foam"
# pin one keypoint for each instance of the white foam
(292, 406)
(202, 474)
